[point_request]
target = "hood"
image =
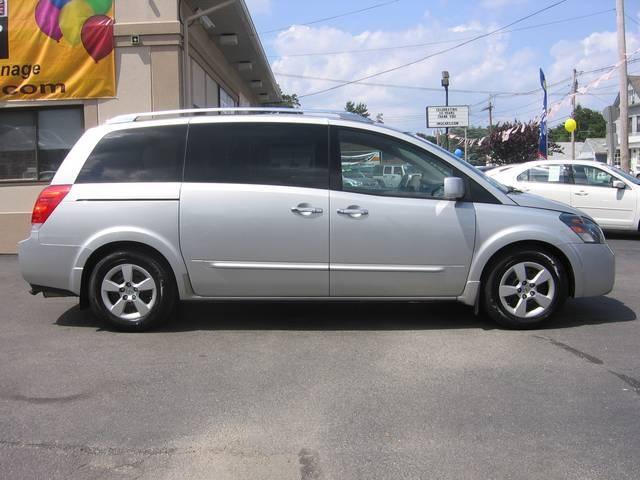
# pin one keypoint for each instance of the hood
(535, 201)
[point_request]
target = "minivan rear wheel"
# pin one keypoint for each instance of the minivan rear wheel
(132, 291)
(524, 289)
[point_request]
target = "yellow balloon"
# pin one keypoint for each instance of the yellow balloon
(570, 125)
(72, 18)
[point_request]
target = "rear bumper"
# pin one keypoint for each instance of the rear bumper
(594, 269)
(49, 267)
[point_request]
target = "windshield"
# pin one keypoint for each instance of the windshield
(626, 176)
(487, 178)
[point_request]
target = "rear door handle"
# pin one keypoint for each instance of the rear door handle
(581, 194)
(306, 210)
(354, 211)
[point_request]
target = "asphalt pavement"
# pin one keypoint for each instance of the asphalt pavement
(321, 391)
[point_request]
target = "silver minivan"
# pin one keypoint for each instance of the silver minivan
(250, 204)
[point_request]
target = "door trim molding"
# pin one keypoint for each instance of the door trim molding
(226, 265)
(345, 267)
(334, 267)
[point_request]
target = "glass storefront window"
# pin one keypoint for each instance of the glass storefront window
(33, 143)
(226, 100)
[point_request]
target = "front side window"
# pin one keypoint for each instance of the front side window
(591, 176)
(153, 154)
(258, 154)
(33, 143)
(381, 165)
(546, 174)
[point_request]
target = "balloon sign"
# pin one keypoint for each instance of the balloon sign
(78, 21)
(47, 15)
(458, 153)
(570, 125)
(97, 36)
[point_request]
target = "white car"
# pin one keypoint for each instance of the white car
(607, 194)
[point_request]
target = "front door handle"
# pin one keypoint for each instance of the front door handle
(354, 211)
(581, 194)
(306, 210)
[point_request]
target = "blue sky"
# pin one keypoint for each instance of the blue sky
(506, 63)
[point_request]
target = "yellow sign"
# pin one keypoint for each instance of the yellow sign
(56, 49)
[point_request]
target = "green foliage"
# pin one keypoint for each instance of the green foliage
(290, 101)
(522, 146)
(474, 155)
(359, 108)
(591, 124)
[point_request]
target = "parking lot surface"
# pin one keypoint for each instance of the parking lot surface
(321, 391)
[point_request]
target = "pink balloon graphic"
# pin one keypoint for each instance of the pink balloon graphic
(97, 36)
(47, 19)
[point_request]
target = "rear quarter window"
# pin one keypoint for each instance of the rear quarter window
(154, 154)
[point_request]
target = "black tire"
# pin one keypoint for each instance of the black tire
(165, 298)
(492, 303)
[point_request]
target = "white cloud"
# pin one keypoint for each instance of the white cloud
(474, 26)
(501, 3)
(259, 6)
(483, 65)
(493, 63)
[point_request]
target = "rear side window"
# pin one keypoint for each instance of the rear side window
(153, 154)
(546, 174)
(259, 154)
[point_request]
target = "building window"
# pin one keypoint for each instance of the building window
(33, 143)
(226, 100)
(630, 124)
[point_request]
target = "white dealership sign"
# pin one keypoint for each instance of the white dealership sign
(447, 117)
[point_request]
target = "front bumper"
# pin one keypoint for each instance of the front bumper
(594, 269)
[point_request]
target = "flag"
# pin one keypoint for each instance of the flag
(542, 146)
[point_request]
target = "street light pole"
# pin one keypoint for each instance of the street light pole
(445, 84)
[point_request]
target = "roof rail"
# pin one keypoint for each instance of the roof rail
(135, 117)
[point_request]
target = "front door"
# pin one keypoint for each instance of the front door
(594, 194)
(254, 209)
(396, 241)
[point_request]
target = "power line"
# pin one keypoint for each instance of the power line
(390, 85)
(399, 67)
(632, 19)
(334, 17)
(440, 42)
(494, 93)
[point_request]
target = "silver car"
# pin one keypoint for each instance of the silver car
(152, 209)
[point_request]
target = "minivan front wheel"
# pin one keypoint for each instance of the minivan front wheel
(525, 289)
(132, 291)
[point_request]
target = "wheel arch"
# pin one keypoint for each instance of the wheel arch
(531, 244)
(111, 247)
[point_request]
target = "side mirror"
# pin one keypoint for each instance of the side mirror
(619, 184)
(453, 188)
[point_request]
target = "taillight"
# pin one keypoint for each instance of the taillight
(47, 202)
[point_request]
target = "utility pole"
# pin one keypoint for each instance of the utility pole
(574, 91)
(625, 163)
(490, 108)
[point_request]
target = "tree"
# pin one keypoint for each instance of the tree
(520, 146)
(428, 138)
(359, 108)
(290, 101)
(591, 124)
(474, 155)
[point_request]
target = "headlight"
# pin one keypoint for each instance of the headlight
(588, 230)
